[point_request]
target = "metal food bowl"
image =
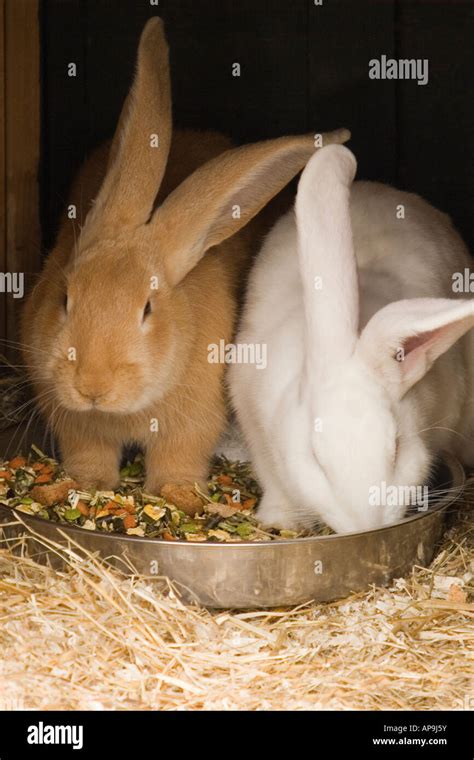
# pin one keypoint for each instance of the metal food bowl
(277, 573)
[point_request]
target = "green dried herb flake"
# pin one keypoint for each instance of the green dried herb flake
(72, 514)
(245, 529)
(190, 527)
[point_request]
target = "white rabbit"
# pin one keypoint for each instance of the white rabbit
(354, 399)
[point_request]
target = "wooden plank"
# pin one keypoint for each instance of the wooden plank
(66, 111)
(267, 39)
(110, 52)
(3, 298)
(343, 37)
(22, 99)
(205, 39)
(437, 119)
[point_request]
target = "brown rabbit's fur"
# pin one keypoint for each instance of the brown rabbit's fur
(193, 415)
(126, 375)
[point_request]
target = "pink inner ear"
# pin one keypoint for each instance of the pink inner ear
(418, 353)
(423, 349)
(413, 334)
(415, 341)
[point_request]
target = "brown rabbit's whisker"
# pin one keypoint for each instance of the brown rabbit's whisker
(30, 402)
(24, 346)
(59, 268)
(34, 413)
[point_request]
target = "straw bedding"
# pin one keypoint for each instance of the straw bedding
(90, 638)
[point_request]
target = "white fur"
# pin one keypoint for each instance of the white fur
(383, 420)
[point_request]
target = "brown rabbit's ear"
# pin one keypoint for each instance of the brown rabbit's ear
(224, 194)
(140, 147)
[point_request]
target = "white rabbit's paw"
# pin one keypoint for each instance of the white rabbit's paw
(274, 513)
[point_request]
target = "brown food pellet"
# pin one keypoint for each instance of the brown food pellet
(183, 497)
(49, 495)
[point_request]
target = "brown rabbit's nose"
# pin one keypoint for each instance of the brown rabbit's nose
(90, 387)
(94, 398)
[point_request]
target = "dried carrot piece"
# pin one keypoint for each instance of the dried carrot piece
(130, 522)
(39, 466)
(83, 508)
(44, 477)
(6, 475)
(17, 462)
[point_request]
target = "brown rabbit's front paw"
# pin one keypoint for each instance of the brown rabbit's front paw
(90, 479)
(183, 496)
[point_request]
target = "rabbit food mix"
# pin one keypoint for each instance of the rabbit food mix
(37, 485)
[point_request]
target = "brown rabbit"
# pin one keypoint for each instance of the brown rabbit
(116, 332)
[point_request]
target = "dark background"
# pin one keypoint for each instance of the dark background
(304, 67)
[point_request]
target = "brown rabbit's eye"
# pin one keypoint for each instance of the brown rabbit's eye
(65, 302)
(147, 310)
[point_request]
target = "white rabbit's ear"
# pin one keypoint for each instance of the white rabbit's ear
(326, 253)
(139, 151)
(403, 340)
(221, 196)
